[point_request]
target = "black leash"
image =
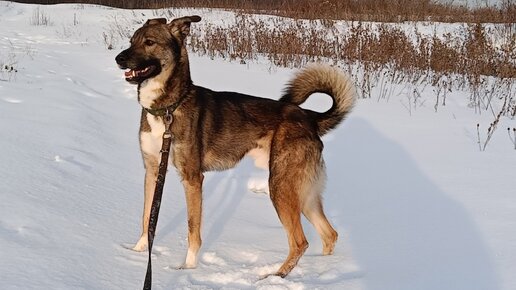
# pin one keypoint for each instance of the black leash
(158, 192)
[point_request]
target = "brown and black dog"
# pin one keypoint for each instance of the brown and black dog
(215, 130)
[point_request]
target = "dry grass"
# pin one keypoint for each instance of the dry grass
(40, 18)
(293, 43)
(356, 10)
(481, 59)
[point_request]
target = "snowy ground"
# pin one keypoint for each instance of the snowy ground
(416, 204)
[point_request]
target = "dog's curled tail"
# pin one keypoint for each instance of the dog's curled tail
(319, 78)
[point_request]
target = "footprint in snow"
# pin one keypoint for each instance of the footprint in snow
(160, 251)
(134, 259)
(212, 258)
(12, 100)
(71, 160)
(275, 282)
(244, 258)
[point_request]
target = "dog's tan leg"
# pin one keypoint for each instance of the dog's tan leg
(290, 217)
(312, 205)
(315, 214)
(286, 202)
(193, 193)
(291, 158)
(151, 172)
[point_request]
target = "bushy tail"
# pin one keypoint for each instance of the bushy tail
(319, 78)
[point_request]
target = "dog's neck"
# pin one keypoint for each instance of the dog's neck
(166, 88)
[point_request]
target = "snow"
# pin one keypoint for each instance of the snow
(416, 204)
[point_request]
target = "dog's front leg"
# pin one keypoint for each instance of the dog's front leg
(193, 193)
(151, 173)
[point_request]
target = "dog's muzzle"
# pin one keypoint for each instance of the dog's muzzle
(139, 70)
(121, 59)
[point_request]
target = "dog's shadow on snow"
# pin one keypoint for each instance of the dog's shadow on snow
(404, 231)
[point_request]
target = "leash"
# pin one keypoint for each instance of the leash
(158, 192)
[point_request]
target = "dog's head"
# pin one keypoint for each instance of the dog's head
(155, 47)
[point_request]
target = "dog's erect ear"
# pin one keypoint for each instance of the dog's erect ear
(181, 26)
(156, 21)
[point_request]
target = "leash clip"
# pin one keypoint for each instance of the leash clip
(168, 119)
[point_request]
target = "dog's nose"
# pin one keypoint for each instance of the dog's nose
(121, 57)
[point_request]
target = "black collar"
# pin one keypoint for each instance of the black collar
(160, 112)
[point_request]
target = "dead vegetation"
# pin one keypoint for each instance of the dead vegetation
(355, 10)
(402, 48)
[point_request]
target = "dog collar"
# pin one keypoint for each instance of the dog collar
(160, 112)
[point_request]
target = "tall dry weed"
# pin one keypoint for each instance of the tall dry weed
(363, 10)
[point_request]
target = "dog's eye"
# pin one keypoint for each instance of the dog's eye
(149, 42)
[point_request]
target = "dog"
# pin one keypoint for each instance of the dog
(215, 130)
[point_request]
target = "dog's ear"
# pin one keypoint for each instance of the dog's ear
(180, 27)
(156, 21)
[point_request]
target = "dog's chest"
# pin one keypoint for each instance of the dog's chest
(150, 142)
(150, 90)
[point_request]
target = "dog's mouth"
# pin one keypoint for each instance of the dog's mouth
(139, 75)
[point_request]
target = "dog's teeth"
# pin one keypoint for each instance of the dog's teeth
(133, 73)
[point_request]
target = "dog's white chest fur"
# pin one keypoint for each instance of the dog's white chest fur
(151, 142)
(150, 91)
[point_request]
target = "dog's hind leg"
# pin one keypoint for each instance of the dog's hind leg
(312, 207)
(313, 211)
(315, 214)
(193, 194)
(294, 154)
(286, 204)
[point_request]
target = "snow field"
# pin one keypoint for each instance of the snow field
(416, 205)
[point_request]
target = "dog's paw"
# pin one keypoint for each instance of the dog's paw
(186, 267)
(128, 246)
(267, 276)
(141, 245)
